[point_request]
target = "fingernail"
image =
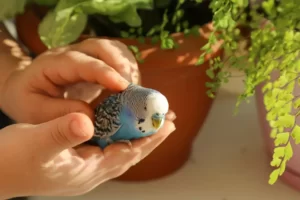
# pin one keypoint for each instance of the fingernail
(77, 127)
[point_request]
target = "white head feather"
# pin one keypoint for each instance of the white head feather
(158, 104)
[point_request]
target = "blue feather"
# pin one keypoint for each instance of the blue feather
(116, 116)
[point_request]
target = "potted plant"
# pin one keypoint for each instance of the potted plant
(271, 72)
(165, 36)
(168, 46)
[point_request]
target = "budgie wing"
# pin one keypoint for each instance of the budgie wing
(107, 115)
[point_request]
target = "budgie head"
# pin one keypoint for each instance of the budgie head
(148, 106)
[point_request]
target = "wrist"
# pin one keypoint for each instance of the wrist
(12, 57)
(14, 181)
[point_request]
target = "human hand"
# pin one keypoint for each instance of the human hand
(42, 161)
(119, 57)
(36, 94)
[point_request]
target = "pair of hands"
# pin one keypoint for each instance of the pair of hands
(46, 156)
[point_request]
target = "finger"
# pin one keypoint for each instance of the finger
(171, 116)
(146, 145)
(55, 107)
(62, 133)
(88, 151)
(118, 154)
(73, 67)
(100, 178)
(119, 157)
(113, 53)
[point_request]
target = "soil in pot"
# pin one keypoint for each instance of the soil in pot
(172, 72)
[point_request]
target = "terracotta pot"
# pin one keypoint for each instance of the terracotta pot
(291, 175)
(171, 72)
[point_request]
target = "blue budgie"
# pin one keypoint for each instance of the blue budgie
(131, 114)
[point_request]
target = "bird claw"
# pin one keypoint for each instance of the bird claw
(110, 141)
(127, 142)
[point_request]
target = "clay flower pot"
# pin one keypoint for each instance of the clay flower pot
(171, 72)
(291, 176)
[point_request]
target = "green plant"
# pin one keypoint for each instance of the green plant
(274, 46)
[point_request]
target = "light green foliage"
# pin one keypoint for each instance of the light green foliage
(67, 21)
(9, 9)
(46, 2)
(274, 47)
(136, 52)
(60, 29)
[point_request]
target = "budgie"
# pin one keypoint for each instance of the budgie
(131, 114)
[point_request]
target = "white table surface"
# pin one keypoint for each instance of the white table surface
(228, 163)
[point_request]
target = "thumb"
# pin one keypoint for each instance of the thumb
(62, 133)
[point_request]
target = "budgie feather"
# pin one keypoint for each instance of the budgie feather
(107, 121)
(133, 113)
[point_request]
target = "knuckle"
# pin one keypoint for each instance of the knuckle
(122, 65)
(89, 41)
(119, 44)
(69, 56)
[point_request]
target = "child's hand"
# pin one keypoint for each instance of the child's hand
(40, 159)
(35, 94)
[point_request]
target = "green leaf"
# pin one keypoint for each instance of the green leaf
(124, 34)
(155, 39)
(9, 9)
(64, 25)
(282, 138)
(110, 8)
(276, 162)
(162, 3)
(167, 43)
(59, 29)
(296, 134)
(286, 121)
(46, 2)
(140, 30)
(141, 39)
(279, 152)
(210, 94)
(273, 133)
(282, 167)
(288, 151)
(195, 31)
(210, 73)
(129, 16)
(274, 176)
(185, 24)
(200, 60)
(132, 30)
(133, 48)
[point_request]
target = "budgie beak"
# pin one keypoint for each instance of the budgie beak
(156, 122)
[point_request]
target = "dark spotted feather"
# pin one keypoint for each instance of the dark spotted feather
(107, 120)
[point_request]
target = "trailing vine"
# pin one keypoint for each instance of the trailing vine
(275, 48)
